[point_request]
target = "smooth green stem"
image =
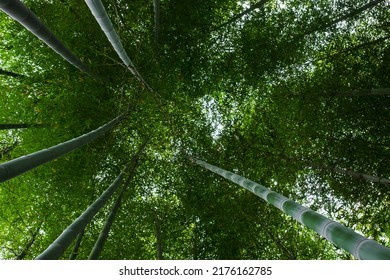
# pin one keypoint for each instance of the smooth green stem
(99, 245)
(59, 246)
(19, 12)
(23, 164)
(354, 243)
(99, 12)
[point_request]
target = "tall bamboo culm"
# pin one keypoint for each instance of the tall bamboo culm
(19, 12)
(59, 246)
(343, 237)
(23, 164)
(99, 12)
(99, 244)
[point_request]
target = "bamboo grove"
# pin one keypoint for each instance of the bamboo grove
(113, 113)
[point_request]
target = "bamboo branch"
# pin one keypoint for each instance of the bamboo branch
(240, 15)
(11, 74)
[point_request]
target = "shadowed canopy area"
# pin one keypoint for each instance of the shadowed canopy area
(293, 95)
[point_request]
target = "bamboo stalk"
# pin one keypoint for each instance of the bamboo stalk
(100, 14)
(23, 164)
(4, 126)
(76, 246)
(10, 74)
(157, 21)
(343, 237)
(99, 245)
(59, 246)
(19, 12)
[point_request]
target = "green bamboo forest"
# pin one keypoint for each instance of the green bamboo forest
(194, 130)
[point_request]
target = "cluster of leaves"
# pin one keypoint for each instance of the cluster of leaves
(275, 95)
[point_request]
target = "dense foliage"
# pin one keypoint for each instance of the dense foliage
(293, 94)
